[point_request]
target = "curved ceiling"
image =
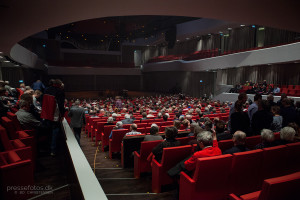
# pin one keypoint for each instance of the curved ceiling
(20, 19)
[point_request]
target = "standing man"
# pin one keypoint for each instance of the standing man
(53, 109)
(77, 116)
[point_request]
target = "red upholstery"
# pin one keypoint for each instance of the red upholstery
(15, 170)
(283, 187)
(225, 144)
(274, 162)
(90, 126)
(94, 127)
(105, 135)
(293, 155)
(7, 123)
(251, 142)
(185, 140)
(115, 141)
(171, 156)
(245, 171)
(98, 132)
(140, 159)
(210, 180)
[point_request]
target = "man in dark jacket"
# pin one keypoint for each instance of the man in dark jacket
(288, 112)
(77, 116)
(263, 118)
(239, 139)
(53, 109)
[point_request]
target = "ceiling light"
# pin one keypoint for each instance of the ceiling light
(261, 28)
(1, 56)
(178, 40)
(7, 61)
(229, 28)
(1, 52)
(242, 25)
(187, 38)
(16, 65)
(148, 45)
(209, 34)
(253, 26)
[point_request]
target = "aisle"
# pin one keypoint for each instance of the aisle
(119, 183)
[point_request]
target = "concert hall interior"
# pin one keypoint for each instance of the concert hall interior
(149, 100)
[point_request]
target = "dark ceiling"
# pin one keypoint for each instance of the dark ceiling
(121, 28)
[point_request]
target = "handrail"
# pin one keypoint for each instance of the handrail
(90, 187)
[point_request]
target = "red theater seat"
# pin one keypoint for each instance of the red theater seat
(293, 155)
(245, 172)
(185, 140)
(140, 159)
(225, 144)
(15, 170)
(279, 188)
(274, 162)
(105, 135)
(210, 180)
(251, 142)
(171, 156)
(115, 141)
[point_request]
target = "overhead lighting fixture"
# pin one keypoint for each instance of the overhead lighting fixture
(178, 40)
(1, 56)
(209, 34)
(261, 28)
(148, 45)
(242, 25)
(229, 28)
(16, 65)
(220, 32)
(253, 26)
(187, 38)
(1, 52)
(7, 61)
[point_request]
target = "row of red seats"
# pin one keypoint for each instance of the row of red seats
(17, 162)
(217, 177)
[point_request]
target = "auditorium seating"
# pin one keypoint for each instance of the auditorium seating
(283, 187)
(225, 144)
(16, 170)
(293, 155)
(252, 141)
(210, 180)
(140, 159)
(115, 141)
(171, 156)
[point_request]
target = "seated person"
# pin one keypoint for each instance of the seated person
(144, 116)
(127, 119)
(133, 130)
(209, 145)
(119, 126)
(165, 117)
(25, 117)
(267, 139)
(3, 107)
(239, 140)
(186, 124)
(220, 131)
(287, 135)
(192, 128)
(153, 134)
(110, 121)
(177, 124)
(170, 141)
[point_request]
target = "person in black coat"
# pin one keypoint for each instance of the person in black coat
(288, 112)
(239, 120)
(239, 140)
(263, 118)
(220, 131)
(170, 141)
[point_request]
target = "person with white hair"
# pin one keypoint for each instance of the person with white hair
(287, 135)
(114, 116)
(159, 115)
(77, 115)
(110, 121)
(239, 141)
(209, 145)
(267, 139)
(133, 130)
(153, 134)
(127, 119)
(119, 126)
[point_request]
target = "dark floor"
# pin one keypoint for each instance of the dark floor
(119, 183)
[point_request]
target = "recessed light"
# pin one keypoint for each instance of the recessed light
(242, 25)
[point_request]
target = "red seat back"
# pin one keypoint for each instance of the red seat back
(173, 155)
(274, 162)
(4, 139)
(105, 136)
(293, 155)
(284, 187)
(115, 142)
(15, 121)
(245, 171)
(184, 140)
(251, 142)
(8, 125)
(211, 177)
(225, 144)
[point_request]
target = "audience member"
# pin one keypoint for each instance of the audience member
(239, 139)
(170, 141)
(239, 120)
(110, 121)
(288, 112)
(287, 135)
(133, 130)
(277, 119)
(119, 126)
(263, 118)
(127, 119)
(77, 115)
(153, 134)
(27, 119)
(254, 106)
(221, 133)
(38, 85)
(267, 139)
